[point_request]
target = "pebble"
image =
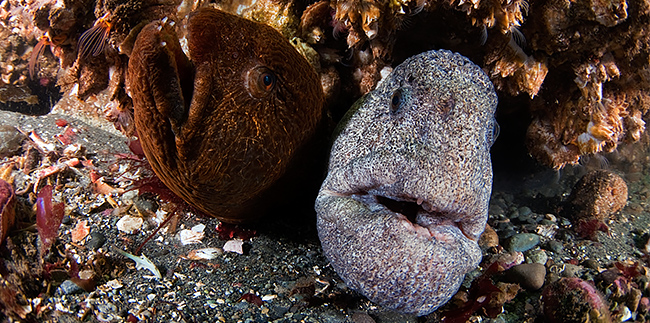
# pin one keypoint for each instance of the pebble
(591, 264)
(68, 287)
(524, 211)
(129, 224)
(546, 222)
(108, 308)
(565, 235)
(489, 238)
(529, 276)
(571, 270)
(495, 209)
(332, 316)
(360, 317)
(11, 141)
(96, 240)
(536, 256)
(66, 220)
(574, 300)
(555, 246)
(522, 242)
(145, 206)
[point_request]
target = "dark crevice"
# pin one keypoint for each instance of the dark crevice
(409, 209)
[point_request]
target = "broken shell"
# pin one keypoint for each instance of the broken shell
(11, 141)
(234, 245)
(129, 224)
(113, 284)
(204, 254)
(80, 231)
(192, 236)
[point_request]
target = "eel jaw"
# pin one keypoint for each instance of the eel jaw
(398, 252)
(419, 217)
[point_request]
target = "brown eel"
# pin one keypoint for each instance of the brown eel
(221, 126)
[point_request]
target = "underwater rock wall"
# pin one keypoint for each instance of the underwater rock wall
(579, 68)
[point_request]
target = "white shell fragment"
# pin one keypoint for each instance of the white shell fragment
(204, 254)
(234, 245)
(129, 224)
(192, 236)
(114, 284)
(141, 262)
(269, 297)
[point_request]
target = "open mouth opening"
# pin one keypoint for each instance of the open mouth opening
(408, 209)
(416, 217)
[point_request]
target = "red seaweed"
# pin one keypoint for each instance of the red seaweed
(480, 294)
(632, 271)
(252, 298)
(7, 208)
(67, 137)
(61, 122)
(136, 148)
(230, 231)
(48, 217)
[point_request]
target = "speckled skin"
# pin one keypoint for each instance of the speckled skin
(430, 145)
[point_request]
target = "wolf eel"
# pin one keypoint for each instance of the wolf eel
(221, 127)
(406, 195)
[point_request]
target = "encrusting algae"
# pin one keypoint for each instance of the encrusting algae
(583, 64)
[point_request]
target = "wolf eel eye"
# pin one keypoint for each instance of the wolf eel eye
(396, 100)
(261, 81)
(494, 133)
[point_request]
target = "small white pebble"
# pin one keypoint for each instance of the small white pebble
(234, 245)
(114, 284)
(129, 224)
(269, 297)
(198, 228)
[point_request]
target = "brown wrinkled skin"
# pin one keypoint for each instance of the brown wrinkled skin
(210, 135)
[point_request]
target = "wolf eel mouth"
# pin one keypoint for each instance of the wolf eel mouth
(398, 249)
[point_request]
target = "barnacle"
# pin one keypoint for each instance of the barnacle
(36, 53)
(93, 40)
(47, 39)
(358, 14)
(506, 16)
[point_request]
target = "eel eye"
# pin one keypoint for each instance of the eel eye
(267, 80)
(494, 133)
(396, 101)
(261, 81)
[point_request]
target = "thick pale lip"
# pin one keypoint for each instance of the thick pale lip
(416, 215)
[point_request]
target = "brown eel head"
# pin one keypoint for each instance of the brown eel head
(222, 126)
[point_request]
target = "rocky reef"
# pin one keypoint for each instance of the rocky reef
(577, 71)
